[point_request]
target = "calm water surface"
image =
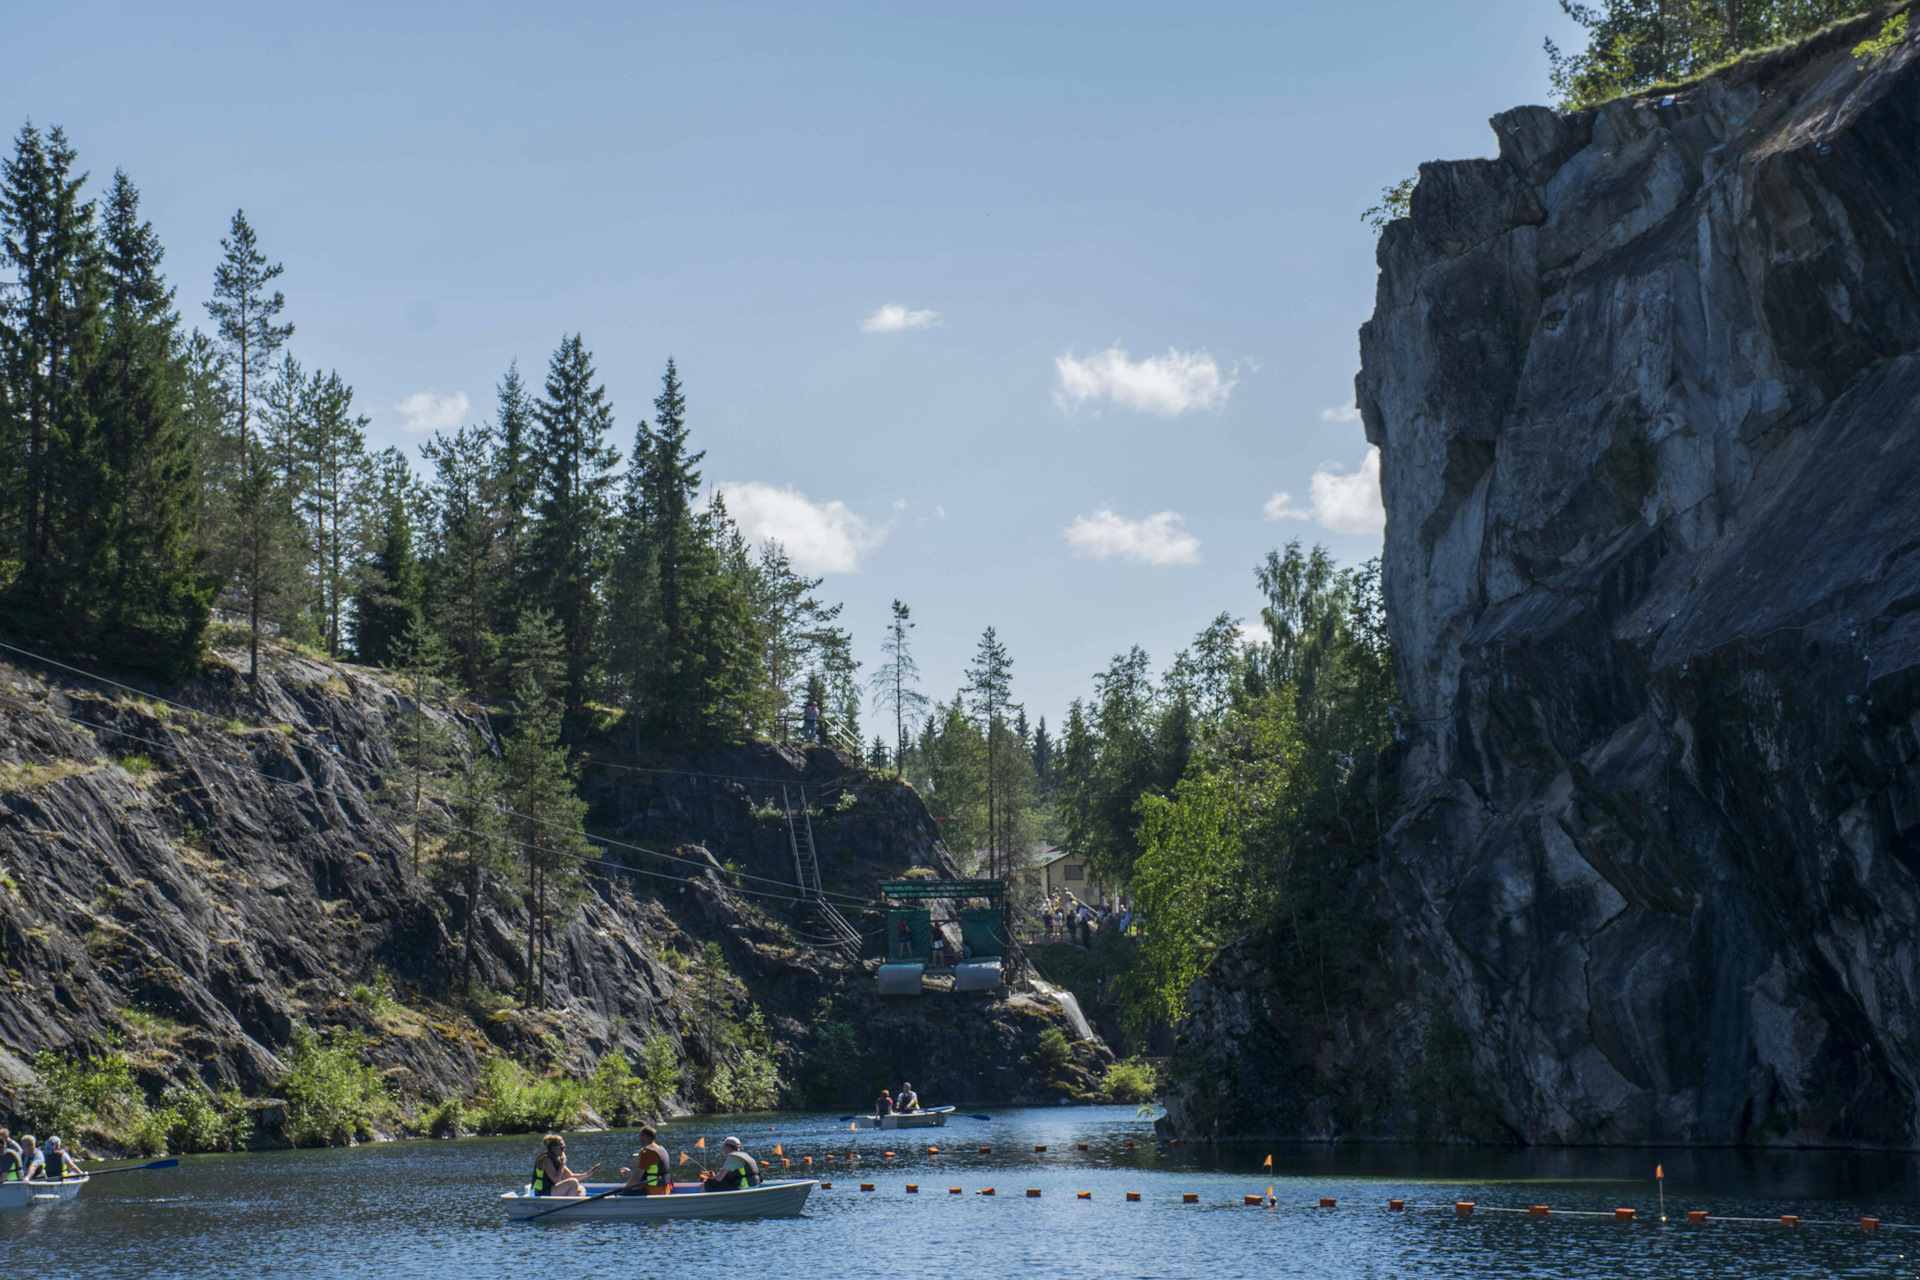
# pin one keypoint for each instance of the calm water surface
(429, 1209)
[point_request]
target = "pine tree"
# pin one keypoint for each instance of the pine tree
(332, 442)
(157, 593)
(544, 811)
(514, 489)
(261, 551)
(420, 657)
(243, 314)
(387, 602)
(565, 550)
(989, 684)
(475, 848)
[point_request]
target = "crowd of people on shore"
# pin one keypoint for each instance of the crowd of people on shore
(1065, 918)
(27, 1161)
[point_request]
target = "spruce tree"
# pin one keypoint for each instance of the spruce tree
(51, 326)
(563, 560)
(332, 442)
(387, 602)
(466, 576)
(243, 313)
(420, 657)
(475, 848)
(989, 683)
(157, 593)
(261, 552)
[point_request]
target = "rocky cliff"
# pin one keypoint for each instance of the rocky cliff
(194, 881)
(1646, 388)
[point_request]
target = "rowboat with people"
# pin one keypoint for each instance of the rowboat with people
(771, 1198)
(25, 1195)
(934, 1118)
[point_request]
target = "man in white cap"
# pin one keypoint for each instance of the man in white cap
(737, 1172)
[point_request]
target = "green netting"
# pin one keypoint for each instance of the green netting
(920, 934)
(981, 931)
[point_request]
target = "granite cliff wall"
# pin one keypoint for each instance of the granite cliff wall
(1646, 388)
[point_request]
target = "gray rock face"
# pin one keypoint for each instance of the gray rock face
(1647, 393)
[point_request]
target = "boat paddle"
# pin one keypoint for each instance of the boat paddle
(571, 1203)
(134, 1168)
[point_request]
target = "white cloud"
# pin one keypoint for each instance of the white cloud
(1348, 412)
(1337, 501)
(1158, 539)
(893, 318)
(819, 537)
(1168, 385)
(1252, 633)
(431, 411)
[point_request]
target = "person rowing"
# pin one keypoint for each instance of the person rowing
(12, 1166)
(551, 1177)
(908, 1099)
(652, 1172)
(738, 1172)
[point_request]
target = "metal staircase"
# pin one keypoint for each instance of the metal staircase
(836, 933)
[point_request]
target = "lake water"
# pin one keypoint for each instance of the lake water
(429, 1209)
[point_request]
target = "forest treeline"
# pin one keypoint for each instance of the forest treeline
(156, 476)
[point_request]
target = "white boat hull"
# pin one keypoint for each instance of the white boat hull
(934, 1119)
(25, 1195)
(769, 1199)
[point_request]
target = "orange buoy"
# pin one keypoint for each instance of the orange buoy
(984, 1150)
(1127, 1145)
(826, 1186)
(1039, 1146)
(1789, 1219)
(1190, 1197)
(1696, 1216)
(1623, 1215)
(1254, 1199)
(1869, 1224)
(913, 1188)
(889, 1155)
(1088, 1195)
(953, 1191)
(1083, 1146)
(1033, 1193)
(866, 1186)
(1396, 1206)
(1463, 1207)
(1133, 1195)
(986, 1191)
(933, 1151)
(1326, 1202)
(1537, 1211)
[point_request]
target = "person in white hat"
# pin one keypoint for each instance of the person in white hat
(739, 1170)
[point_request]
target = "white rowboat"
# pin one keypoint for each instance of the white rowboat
(769, 1199)
(24, 1195)
(934, 1119)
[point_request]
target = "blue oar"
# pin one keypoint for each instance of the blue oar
(134, 1168)
(973, 1117)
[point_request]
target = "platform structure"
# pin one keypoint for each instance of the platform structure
(985, 958)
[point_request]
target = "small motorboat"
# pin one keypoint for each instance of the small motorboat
(933, 1119)
(25, 1195)
(687, 1200)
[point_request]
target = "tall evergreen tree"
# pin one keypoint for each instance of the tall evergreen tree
(565, 550)
(475, 848)
(261, 552)
(387, 602)
(467, 571)
(51, 326)
(332, 443)
(989, 685)
(514, 484)
(157, 592)
(243, 313)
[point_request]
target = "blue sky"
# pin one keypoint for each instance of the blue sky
(1025, 314)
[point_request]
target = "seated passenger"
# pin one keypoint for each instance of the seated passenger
(738, 1172)
(12, 1166)
(652, 1172)
(58, 1166)
(908, 1099)
(551, 1177)
(31, 1158)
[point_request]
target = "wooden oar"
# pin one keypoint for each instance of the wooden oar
(133, 1168)
(570, 1203)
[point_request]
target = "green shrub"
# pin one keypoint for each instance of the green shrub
(623, 1096)
(195, 1122)
(138, 764)
(377, 997)
(72, 1094)
(514, 1100)
(1132, 1080)
(447, 1119)
(332, 1095)
(1053, 1052)
(1892, 32)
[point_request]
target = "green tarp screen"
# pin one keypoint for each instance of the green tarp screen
(918, 943)
(980, 931)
